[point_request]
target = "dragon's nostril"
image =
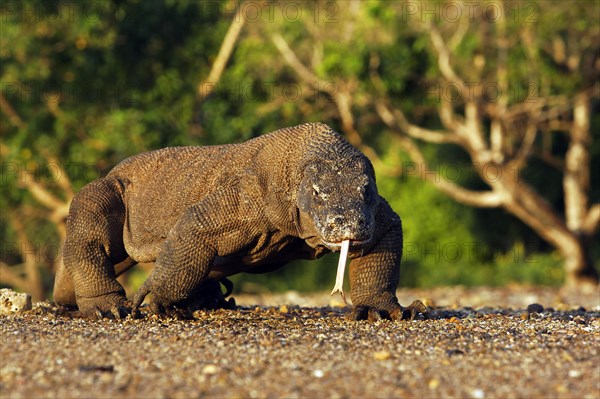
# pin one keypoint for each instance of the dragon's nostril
(335, 220)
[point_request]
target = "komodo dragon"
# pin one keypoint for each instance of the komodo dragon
(205, 213)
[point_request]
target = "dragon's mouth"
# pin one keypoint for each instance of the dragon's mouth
(354, 244)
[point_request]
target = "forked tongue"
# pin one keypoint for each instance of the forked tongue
(339, 279)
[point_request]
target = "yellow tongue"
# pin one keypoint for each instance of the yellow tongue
(339, 279)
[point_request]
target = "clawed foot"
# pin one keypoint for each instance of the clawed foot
(111, 306)
(116, 312)
(371, 313)
(207, 297)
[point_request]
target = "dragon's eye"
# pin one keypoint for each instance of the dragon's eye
(315, 190)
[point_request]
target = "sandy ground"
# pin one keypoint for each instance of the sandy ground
(480, 343)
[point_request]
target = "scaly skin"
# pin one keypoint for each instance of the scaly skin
(204, 213)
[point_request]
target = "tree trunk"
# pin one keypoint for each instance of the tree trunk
(579, 266)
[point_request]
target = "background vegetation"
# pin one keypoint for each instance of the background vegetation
(416, 85)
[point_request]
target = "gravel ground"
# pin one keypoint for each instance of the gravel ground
(480, 343)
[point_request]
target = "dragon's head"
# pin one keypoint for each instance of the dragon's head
(338, 199)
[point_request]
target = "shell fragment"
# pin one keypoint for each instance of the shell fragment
(339, 279)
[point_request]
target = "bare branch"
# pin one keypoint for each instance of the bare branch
(472, 134)
(449, 118)
(556, 234)
(551, 160)
(483, 199)
(344, 106)
(497, 133)
(292, 60)
(459, 34)
(487, 199)
(64, 182)
(527, 144)
(341, 97)
(43, 196)
(207, 86)
(497, 140)
(13, 117)
(398, 119)
(444, 61)
(591, 223)
(576, 176)
(555, 126)
(556, 106)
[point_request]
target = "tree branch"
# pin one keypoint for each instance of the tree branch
(576, 176)
(206, 88)
(524, 150)
(444, 61)
(398, 119)
(43, 196)
(64, 182)
(13, 117)
(497, 133)
(341, 97)
(485, 199)
(592, 220)
(292, 60)
(472, 134)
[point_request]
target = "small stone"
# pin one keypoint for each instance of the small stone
(318, 373)
(433, 383)
(382, 355)
(478, 393)
(524, 316)
(567, 357)
(535, 308)
(574, 373)
(454, 352)
(14, 302)
(210, 369)
(283, 309)
(560, 388)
